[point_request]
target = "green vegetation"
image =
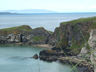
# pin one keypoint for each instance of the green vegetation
(94, 25)
(15, 30)
(19, 28)
(38, 38)
(80, 20)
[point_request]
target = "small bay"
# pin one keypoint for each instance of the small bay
(17, 59)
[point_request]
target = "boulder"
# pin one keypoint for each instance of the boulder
(35, 56)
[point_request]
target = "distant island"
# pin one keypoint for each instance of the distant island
(34, 11)
(27, 11)
(7, 13)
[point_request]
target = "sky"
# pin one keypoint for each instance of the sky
(54, 5)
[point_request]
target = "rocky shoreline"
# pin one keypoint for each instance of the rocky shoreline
(79, 63)
(42, 46)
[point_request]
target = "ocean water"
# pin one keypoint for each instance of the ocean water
(17, 59)
(48, 21)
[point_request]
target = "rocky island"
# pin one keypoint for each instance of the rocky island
(74, 42)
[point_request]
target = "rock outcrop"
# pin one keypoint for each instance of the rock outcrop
(71, 36)
(35, 56)
(24, 34)
(39, 36)
(92, 43)
(78, 63)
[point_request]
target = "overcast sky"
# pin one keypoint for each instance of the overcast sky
(54, 5)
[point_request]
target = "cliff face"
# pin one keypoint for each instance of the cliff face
(92, 43)
(90, 54)
(38, 36)
(72, 36)
(24, 34)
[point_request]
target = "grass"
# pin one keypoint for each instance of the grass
(38, 38)
(15, 30)
(23, 28)
(80, 20)
(42, 28)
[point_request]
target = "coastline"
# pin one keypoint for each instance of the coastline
(43, 46)
(46, 46)
(64, 44)
(81, 64)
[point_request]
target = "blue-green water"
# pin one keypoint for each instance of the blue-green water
(16, 59)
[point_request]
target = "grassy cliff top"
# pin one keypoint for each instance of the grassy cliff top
(15, 30)
(81, 20)
(43, 29)
(23, 27)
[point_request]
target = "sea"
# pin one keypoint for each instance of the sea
(47, 20)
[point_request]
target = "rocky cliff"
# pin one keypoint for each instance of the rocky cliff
(71, 36)
(24, 34)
